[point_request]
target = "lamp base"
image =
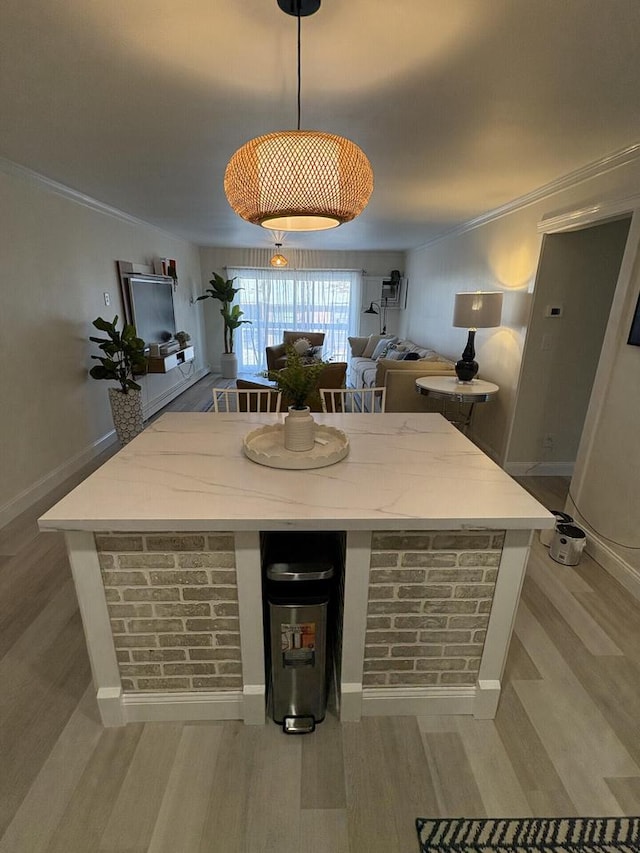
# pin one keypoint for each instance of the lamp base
(467, 367)
(466, 370)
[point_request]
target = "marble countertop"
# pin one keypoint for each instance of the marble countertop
(187, 471)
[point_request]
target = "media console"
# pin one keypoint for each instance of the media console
(165, 363)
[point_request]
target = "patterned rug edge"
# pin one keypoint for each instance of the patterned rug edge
(513, 835)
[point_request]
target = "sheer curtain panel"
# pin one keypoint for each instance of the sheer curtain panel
(298, 300)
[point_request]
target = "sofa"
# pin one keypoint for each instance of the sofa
(380, 360)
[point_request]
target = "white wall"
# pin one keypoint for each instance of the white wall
(578, 274)
(605, 489)
(499, 254)
(217, 259)
(503, 253)
(57, 259)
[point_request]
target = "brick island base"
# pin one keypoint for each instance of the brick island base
(174, 622)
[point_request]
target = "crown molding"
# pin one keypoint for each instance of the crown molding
(49, 185)
(573, 219)
(599, 167)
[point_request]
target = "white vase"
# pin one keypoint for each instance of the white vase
(126, 410)
(299, 429)
(229, 365)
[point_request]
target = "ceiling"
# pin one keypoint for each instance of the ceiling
(461, 106)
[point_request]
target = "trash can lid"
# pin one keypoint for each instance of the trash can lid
(571, 531)
(561, 517)
(299, 571)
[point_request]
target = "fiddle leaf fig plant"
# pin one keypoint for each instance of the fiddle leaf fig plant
(224, 291)
(123, 356)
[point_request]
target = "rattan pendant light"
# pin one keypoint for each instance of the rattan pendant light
(299, 180)
(278, 259)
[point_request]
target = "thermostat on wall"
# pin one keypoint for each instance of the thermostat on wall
(554, 311)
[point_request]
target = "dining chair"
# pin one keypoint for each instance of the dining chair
(246, 400)
(361, 400)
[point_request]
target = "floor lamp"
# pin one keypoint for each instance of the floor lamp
(382, 311)
(472, 311)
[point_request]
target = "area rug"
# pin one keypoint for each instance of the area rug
(530, 835)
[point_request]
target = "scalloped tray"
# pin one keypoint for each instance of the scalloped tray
(266, 447)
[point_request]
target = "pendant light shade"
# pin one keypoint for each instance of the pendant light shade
(278, 260)
(298, 180)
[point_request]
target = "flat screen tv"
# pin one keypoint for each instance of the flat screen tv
(152, 308)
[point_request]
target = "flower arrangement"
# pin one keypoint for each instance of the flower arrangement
(298, 380)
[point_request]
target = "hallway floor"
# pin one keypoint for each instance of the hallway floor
(565, 741)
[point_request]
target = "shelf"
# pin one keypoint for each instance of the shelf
(165, 363)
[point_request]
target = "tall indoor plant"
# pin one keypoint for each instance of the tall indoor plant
(123, 359)
(224, 291)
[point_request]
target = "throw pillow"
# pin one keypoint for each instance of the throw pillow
(357, 345)
(371, 345)
(395, 354)
(314, 353)
(412, 356)
(301, 346)
(382, 347)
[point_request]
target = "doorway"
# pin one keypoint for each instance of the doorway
(575, 284)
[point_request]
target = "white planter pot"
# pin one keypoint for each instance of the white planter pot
(126, 410)
(299, 429)
(229, 365)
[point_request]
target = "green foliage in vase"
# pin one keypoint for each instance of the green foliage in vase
(123, 356)
(224, 291)
(298, 381)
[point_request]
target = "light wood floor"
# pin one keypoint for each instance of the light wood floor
(566, 739)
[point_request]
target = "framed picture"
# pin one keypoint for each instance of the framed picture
(634, 331)
(391, 292)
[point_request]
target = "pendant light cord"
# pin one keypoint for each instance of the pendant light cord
(299, 74)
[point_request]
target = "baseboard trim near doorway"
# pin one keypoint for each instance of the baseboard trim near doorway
(603, 553)
(540, 469)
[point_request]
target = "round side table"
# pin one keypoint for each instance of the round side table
(448, 388)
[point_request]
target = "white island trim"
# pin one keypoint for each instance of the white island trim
(187, 472)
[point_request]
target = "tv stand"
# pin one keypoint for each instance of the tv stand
(165, 363)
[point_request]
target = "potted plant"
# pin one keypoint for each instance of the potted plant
(224, 291)
(183, 339)
(123, 359)
(298, 383)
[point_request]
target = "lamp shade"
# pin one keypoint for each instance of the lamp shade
(298, 180)
(478, 310)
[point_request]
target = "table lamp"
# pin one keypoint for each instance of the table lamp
(472, 311)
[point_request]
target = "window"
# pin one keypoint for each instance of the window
(301, 301)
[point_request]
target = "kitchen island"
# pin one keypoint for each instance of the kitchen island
(164, 542)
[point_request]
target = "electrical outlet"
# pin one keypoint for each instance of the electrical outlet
(107, 299)
(547, 441)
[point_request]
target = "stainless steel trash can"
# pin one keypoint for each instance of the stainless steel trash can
(546, 536)
(568, 544)
(298, 599)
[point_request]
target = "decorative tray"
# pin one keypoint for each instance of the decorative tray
(266, 447)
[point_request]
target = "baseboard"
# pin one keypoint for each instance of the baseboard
(604, 554)
(41, 488)
(540, 469)
(421, 701)
(165, 707)
(53, 479)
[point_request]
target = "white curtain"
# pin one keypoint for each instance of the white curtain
(294, 300)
